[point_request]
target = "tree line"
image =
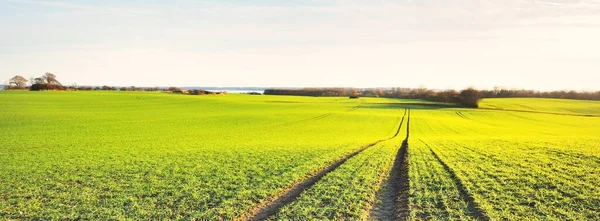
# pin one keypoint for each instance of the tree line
(469, 97)
(49, 81)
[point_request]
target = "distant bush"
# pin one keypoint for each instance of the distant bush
(315, 92)
(46, 87)
(105, 88)
(173, 89)
(197, 92)
(470, 97)
(10, 87)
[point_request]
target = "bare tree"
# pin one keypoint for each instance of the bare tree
(19, 81)
(50, 78)
(46, 82)
(39, 81)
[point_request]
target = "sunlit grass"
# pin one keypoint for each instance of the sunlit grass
(147, 155)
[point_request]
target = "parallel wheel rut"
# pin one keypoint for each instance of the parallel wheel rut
(271, 207)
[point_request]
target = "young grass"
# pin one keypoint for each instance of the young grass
(132, 155)
(349, 191)
(139, 155)
(515, 165)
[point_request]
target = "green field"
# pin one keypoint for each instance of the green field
(514, 165)
(536, 105)
(145, 155)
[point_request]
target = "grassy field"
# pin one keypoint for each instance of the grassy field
(143, 155)
(504, 164)
(536, 105)
(104, 155)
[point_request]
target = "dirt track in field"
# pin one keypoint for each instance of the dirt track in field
(472, 206)
(270, 207)
(394, 196)
(322, 116)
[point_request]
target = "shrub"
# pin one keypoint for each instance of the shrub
(46, 87)
(470, 97)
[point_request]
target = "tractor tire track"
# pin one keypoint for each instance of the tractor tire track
(542, 112)
(460, 114)
(565, 180)
(472, 206)
(463, 116)
(395, 195)
(306, 120)
(322, 116)
(271, 206)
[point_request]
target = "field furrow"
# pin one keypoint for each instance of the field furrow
(472, 206)
(537, 186)
(433, 193)
(522, 169)
(393, 199)
(369, 167)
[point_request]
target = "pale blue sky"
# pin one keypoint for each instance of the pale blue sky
(537, 44)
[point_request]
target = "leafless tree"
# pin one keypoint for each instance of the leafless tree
(39, 81)
(50, 78)
(18, 81)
